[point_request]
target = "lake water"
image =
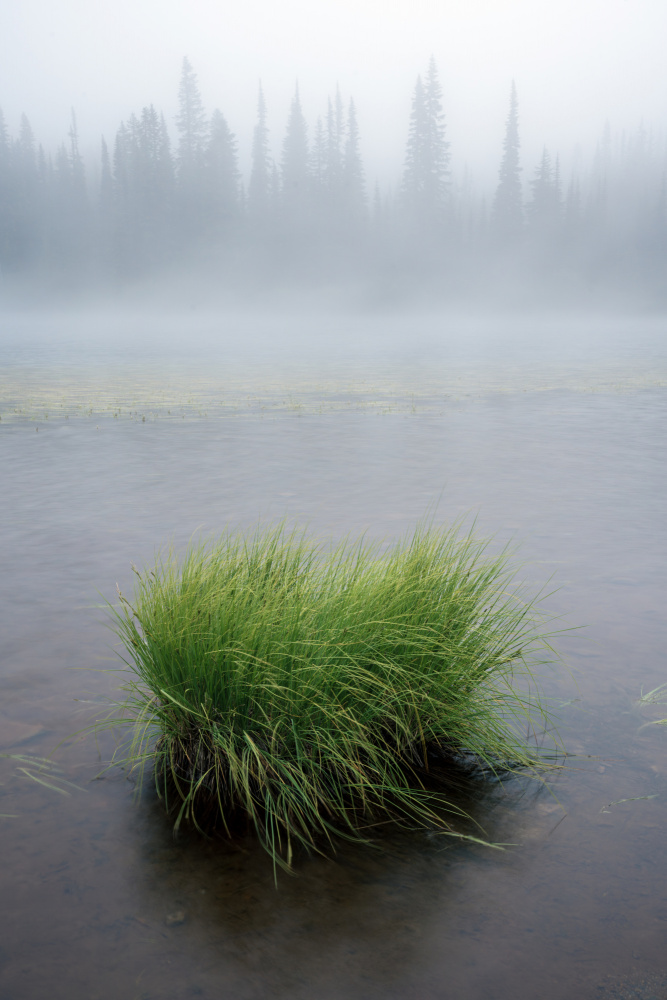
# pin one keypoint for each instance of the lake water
(119, 435)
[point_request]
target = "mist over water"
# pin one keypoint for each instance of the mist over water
(409, 287)
(165, 213)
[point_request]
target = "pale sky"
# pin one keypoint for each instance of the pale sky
(576, 63)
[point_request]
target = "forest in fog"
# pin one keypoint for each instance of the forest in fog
(167, 196)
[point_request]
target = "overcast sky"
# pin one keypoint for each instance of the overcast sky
(576, 64)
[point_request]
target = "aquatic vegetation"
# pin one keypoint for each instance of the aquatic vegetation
(657, 696)
(43, 771)
(315, 692)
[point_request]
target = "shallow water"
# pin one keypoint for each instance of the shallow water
(554, 438)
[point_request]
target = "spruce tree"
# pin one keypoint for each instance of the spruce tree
(221, 173)
(6, 194)
(335, 150)
(353, 180)
(144, 187)
(192, 126)
(259, 186)
(25, 220)
(319, 160)
(425, 187)
(70, 219)
(507, 210)
(294, 165)
(544, 208)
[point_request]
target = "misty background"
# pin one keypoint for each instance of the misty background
(510, 153)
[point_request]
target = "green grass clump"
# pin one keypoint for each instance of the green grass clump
(315, 692)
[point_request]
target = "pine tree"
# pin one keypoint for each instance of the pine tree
(25, 223)
(221, 173)
(318, 163)
(192, 126)
(294, 165)
(70, 220)
(335, 150)
(155, 181)
(6, 194)
(77, 168)
(144, 187)
(353, 180)
(105, 210)
(106, 181)
(544, 208)
(259, 187)
(507, 210)
(425, 188)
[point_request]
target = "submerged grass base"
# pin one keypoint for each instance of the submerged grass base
(315, 693)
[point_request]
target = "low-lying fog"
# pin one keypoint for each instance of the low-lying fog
(196, 361)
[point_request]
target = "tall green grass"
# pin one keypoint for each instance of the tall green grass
(315, 692)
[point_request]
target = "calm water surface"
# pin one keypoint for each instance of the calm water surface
(555, 438)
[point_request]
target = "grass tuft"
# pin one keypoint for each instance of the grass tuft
(316, 692)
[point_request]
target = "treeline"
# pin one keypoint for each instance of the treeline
(307, 215)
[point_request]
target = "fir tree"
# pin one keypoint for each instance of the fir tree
(77, 169)
(425, 187)
(106, 181)
(294, 164)
(335, 149)
(353, 180)
(507, 210)
(221, 173)
(544, 208)
(318, 163)
(192, 126)
(259, 187)
(25, 222)
(6, 193)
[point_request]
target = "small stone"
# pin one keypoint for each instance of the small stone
(175, 918)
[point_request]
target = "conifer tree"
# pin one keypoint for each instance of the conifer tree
(143, 191)
(25, 220)
(69, 217)
(318, 162)
(106, 182)
(544, 208)
(507, 210)
(105, 209)
(294, 165)
(192, 126)
(259, 187)
(77, 169)
(353, 180)
(6, 193)
(335, 149)
(425, 187)
(221, 173)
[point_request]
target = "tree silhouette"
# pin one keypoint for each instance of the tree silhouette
(507, 210)
(192, 126)
(425, 185)
(294, 165)
(222, 177)
(259, 187)
(353, 180)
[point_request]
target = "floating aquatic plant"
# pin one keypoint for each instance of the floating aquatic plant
(314, 692)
